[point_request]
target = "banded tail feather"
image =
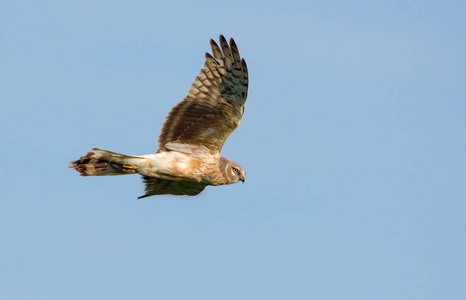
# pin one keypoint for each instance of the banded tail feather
(106, 163)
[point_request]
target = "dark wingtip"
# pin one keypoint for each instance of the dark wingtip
(233, 43)
(222, 39)
(245, 67)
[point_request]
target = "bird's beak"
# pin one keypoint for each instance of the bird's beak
(243, 178)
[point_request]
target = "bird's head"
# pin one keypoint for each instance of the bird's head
(232, 171)
(238, 172)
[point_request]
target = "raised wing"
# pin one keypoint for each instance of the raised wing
(155, 186)
(213, 107)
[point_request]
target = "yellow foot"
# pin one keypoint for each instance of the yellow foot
(129, 169)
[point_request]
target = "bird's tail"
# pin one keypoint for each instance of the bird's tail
(105, 163)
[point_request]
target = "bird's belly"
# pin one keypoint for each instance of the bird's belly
(175, 165)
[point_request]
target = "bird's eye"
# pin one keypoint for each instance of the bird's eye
(235, 170)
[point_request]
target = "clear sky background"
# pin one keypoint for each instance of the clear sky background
(353, 140)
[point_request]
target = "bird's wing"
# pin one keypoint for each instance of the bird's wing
(156, 186)
(213, 107)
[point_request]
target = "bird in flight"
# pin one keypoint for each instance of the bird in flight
(188, 158)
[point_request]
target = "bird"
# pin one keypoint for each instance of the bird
(192, 136)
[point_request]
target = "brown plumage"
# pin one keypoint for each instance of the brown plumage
(214, 106)
(188, 158)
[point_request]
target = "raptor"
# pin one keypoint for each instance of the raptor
(188, 158)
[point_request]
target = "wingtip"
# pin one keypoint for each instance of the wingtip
(213, 43)
(245, 67)
(233, 43)
(222, 39)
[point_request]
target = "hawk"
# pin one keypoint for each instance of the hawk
(188, 158)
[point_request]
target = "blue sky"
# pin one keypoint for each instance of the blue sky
(353, 141)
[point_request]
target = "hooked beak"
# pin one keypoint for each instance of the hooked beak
(242, 178)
